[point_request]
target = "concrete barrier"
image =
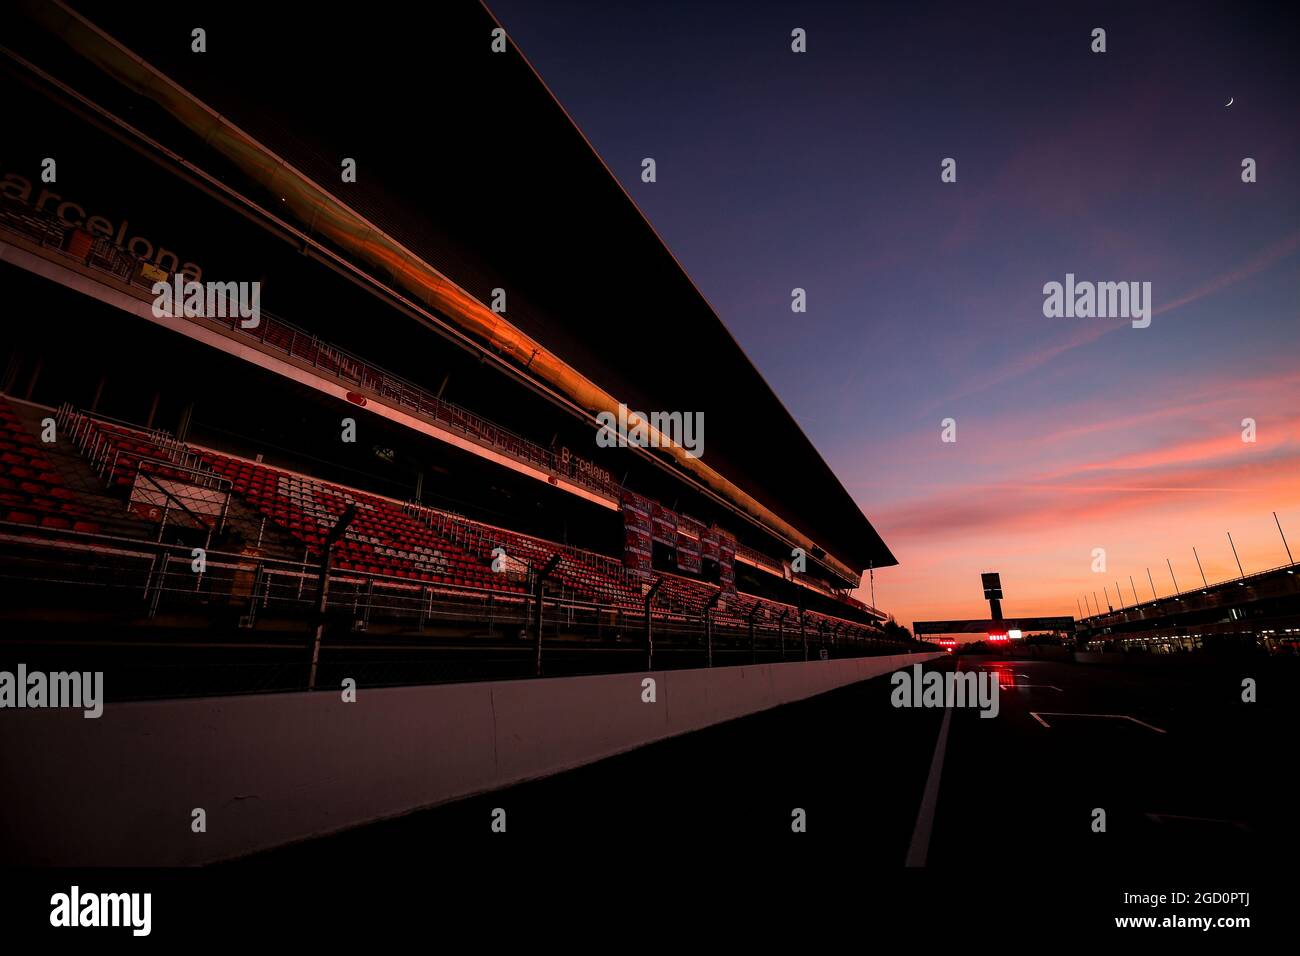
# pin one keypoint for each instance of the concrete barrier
(271, 769)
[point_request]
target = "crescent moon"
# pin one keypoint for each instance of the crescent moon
(1230, 99)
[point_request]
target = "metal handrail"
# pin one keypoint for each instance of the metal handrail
(272, 330)
(92, 543)
(1179, 595)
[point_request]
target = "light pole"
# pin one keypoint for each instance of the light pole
(649, 632)
(539, 583)
(323, 587)
(708, 624)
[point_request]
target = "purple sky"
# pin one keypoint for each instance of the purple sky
(822, 171)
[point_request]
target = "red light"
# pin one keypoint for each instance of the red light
(1006, 676)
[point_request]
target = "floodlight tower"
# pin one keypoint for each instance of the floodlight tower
(993, 593)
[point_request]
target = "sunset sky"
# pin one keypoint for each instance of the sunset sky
(822, 171)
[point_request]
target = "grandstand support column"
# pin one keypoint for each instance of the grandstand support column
(649, 629)
(539, 584)
(780, 627)
(323, 587)
(12, 371)
(708, 625)
(182, 426)
(36, 374)
(99, 393)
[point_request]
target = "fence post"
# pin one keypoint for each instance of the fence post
(539, 586)
(649, 630)
(259, 579)
(159, 584)
(708, 625)
(153, 574)
(323, 587)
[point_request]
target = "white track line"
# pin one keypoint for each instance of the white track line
(1045, 713)
(916, 853)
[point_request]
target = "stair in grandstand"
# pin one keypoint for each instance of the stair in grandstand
(146, 483)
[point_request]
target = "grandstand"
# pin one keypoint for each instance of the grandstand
(186, 497)
(1252, 611)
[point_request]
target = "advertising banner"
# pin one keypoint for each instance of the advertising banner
(637, 530)
(664, 526)
(726, 561)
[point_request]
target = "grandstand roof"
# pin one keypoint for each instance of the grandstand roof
(466, 159)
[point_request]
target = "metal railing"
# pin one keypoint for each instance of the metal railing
(198, 486)
(149, 591)
(1203, 597)
(325, 358)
